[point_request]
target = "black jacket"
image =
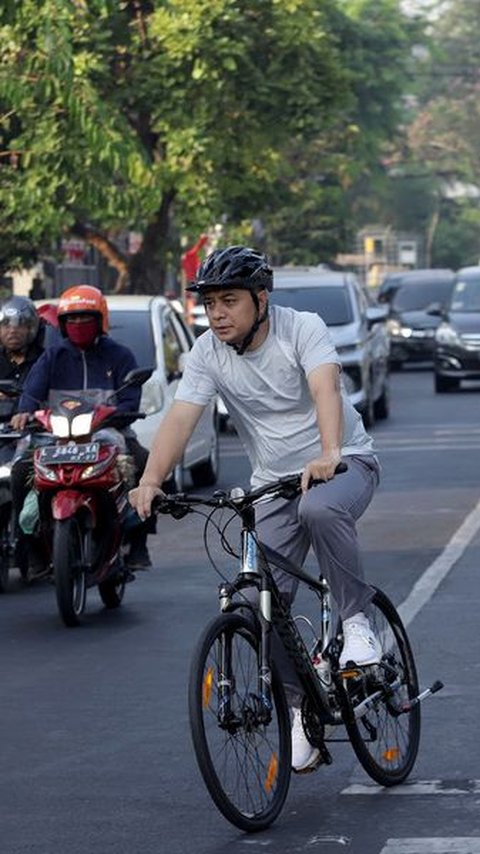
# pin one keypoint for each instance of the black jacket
(18, 372)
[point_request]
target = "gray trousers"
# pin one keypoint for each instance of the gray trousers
(325, 520)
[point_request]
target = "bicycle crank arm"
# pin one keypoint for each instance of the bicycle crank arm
(437, 686)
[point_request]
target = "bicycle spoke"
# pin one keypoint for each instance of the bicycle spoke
(385, 738)
(245, 762)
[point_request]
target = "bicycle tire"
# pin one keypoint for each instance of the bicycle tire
(385, 739)
(246, 767)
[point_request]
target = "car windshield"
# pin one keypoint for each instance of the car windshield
(331, 303)
(466, 295)
(130, 328)
(134, 330)
(419, 295)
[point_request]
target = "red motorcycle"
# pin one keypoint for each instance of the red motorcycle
(82, 483)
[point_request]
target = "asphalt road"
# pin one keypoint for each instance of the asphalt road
(95, 752)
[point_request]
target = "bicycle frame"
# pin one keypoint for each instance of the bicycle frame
(255, 572)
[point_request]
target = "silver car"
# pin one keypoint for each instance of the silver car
(357, 327)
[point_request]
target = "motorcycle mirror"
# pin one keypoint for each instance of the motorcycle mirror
(9, 388)
(137, 377)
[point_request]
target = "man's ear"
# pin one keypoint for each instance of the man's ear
(262, 298)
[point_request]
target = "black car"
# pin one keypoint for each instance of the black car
(415, 310)
(457, 340)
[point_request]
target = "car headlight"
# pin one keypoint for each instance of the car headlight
(397, 330)
(446, 334)
(152, 397)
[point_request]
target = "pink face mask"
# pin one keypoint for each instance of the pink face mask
(83, 335)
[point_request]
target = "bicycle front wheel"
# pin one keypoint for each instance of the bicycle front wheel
(244, 758)
(386, 736)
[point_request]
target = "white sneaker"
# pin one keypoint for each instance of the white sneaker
(305, 757)
(359, 642)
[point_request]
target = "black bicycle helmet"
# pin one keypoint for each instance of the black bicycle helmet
(234, 267)
(237, 267)
(20, 311)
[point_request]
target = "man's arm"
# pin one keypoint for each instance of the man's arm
(324, 384)
(167, 449)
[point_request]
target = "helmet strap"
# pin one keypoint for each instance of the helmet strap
(240, 348)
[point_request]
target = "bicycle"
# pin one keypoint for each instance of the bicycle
(239, 717)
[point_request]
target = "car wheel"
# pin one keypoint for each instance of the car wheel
(206, 473)
(381, 407)
(444, 384)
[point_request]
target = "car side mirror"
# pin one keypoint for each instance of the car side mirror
(436, 309)
(10, 388)
(376, 314)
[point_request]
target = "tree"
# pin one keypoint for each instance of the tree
(442, 136)
(155, 116)
(329, 184)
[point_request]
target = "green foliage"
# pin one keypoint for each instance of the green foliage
(168, 115)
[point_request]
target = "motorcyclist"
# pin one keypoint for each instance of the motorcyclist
(20, 347)
(19, 334)
(87, 358)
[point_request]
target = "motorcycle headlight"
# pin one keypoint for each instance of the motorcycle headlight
(5, 471)
(446, 334)
(95, 469)
(47, 472)
(82, 424)
(60, 426)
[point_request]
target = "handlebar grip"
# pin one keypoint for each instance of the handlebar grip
(340, 469)
(173, 506)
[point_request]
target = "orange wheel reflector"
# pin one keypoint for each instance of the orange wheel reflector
(391, 754)
(272, 773)
(207, 688)
(350, 674)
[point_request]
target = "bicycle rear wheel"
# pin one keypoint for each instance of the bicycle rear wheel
(386, 736)
(244, 760)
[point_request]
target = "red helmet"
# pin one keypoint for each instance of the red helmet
(83, 299)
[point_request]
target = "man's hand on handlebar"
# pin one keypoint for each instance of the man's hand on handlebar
(20, 420)
(322, 468)
(141, 498)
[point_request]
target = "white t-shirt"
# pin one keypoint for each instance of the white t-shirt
(266, 392)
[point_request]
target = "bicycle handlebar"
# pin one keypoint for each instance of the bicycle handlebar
(181, 503)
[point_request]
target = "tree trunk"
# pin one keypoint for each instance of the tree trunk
(432, 227)
(108, 250)
(148, 267)
(145, 272)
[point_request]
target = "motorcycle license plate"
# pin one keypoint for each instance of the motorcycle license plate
(61, 454)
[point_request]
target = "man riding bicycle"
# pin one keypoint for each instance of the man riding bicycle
(280, 377)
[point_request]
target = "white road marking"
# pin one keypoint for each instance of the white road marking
(420, 787)
(426, 585)
(433, 845)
